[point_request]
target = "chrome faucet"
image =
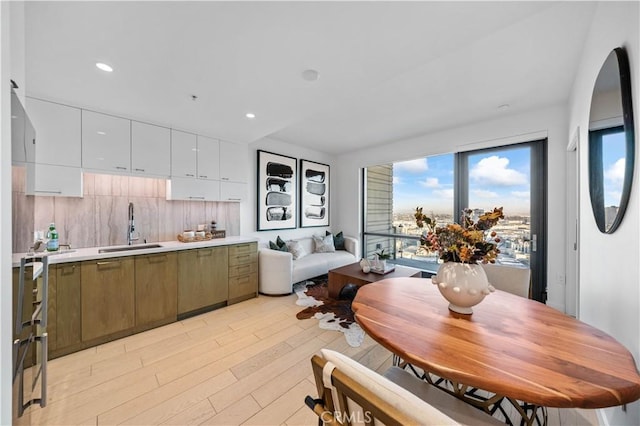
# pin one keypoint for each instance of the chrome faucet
(131, 232)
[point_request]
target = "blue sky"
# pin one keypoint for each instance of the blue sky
(497, 178)
(613, 167)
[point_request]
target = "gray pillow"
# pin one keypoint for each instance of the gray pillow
(296, 249)
(323, 244)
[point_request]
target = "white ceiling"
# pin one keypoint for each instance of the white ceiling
(388, 70)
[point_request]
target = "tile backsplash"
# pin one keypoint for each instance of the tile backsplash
(101, 217)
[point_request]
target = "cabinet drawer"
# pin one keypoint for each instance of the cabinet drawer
(243, 269)
(243, 259)
(243, 285)
(240, 249)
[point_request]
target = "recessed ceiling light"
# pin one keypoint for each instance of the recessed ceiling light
(101, 133)
(310, 75)
(250, 115)
(104, 67)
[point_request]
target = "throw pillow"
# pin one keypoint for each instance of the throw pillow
(279, 245)
(296, 249)
(323, 244)
(338, 240)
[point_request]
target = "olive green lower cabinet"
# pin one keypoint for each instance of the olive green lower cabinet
(64, 321)
(108, 298)
(243, 272)
(202, 279)
(156, 289)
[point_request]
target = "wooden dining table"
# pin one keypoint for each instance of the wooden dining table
(510, 346)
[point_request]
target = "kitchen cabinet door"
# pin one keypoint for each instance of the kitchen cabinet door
(233, 191)
(234, 162)
(106, 142)
(108, 297)
(56, 181)
(65, 278)
(58, 133)
(150, 150)
(156, 288)
(202, 278)
(184, 152)
(190, 189)
(208, 158)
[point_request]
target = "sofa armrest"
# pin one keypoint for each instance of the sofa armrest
(352, 245)
(275, 271)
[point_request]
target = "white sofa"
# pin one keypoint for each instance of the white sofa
(278, 271)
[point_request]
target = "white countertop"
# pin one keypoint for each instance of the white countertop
(90, 253)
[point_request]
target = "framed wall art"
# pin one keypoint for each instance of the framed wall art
(314, 194)
(277, 197)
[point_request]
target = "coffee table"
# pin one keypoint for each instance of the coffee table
(352, 274)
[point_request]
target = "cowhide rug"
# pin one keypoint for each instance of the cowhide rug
(332, 314)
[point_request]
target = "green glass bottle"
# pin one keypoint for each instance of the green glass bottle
(52, 235)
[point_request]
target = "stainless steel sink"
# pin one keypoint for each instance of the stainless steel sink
(128, 248)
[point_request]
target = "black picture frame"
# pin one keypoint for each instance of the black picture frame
(277, 180)
(315, 187)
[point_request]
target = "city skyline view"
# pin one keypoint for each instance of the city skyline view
(495, 179)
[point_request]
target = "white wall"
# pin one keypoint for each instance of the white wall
(609, 268)
(549, 122)
(248, 209)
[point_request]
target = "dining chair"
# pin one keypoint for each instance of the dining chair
(351, 393)
(514, 280)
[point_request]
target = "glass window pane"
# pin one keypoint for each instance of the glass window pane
(503, 178)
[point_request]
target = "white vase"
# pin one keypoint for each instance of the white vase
(464, 285)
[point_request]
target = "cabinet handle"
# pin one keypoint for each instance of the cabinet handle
(108, 263)
(196, 198)
(66, 271)
(203, 253)
(225, 178)
(189, 175)
(139, 170)
(203, 176)
(121, 168)
(243, 258)
(48, 192)
(243, 280)
(234, 199)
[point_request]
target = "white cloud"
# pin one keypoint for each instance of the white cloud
(396, 180)
(494, 171)
(430, 183)
(443, 193)
(520, 194)
(613, 198)
(413, 166)
(485, 194)
(615, 173)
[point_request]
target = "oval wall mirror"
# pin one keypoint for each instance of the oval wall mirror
(611, 142)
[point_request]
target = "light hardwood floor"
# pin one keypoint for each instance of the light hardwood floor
(243, 364)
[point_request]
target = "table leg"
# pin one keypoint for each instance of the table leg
(496, 405)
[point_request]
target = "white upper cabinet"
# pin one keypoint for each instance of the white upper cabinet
(233, 191)
(234, 160)
(184, 151)
(190, 189)
(54, 181)
(22, 133)
(208, 158)
(106, 142)
(58, 136)
(150, 150)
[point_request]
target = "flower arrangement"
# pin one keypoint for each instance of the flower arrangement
(465, 242)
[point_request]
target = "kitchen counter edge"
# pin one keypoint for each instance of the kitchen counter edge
(91, 253)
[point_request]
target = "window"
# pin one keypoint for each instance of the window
(513, 177)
